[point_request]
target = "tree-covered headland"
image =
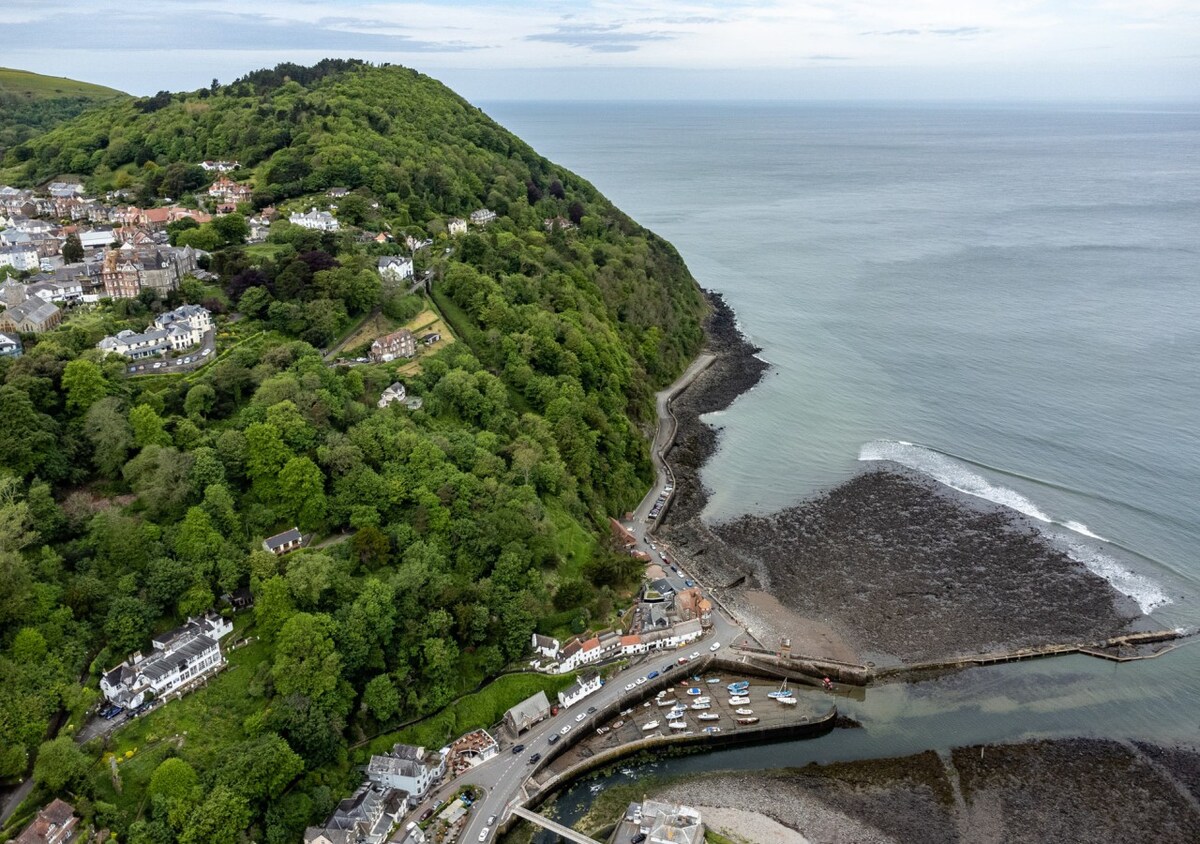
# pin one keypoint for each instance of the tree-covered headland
(128, 503)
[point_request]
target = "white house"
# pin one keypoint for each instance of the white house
(581, 688)
(366, 817)
(394, 393)
(482, 217)
(180, 657)
(282, 543)
(408, 768)
(545, 646)
(174, 330)
(456, 226)
(395, 268)
(96, 238)
(314, 219)
(20, 258)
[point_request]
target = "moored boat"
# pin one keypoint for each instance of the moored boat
(708, 716)
(790, 701)
(652, 725)
(704, 699)
(747, 721)
(694, 691)
(744, 711)
(677, 725)
(701, 706)
(738, 701)
(711, 730)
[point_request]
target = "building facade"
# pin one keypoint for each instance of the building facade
(398, 344)
(180, 657)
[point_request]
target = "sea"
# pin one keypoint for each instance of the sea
(1003, 298)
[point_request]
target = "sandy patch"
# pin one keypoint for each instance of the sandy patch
(770, 622)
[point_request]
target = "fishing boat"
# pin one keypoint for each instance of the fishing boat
(652, 725)
(676, 713)
(744, 711)
(704, 699)
(789, 701)
(745, 722)
(701, 706)
(782, 692)
(677, 725)
(711, 730)
(708, 716)
(738, 701)
(739, 686)
(694, 691)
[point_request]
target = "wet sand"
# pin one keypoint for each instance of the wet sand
(1070, 790)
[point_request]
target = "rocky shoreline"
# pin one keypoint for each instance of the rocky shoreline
(1068, 790)
(887, 568)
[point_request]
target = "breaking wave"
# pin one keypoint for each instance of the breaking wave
(950, 472)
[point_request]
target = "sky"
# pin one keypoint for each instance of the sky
(489, 50)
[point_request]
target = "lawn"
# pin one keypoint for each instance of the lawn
(471, 712)
(199, 725)
(34, 86)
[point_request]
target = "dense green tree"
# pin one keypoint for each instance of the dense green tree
(221, 817)
(84, 384)
(302, 492)
(306, 661)
(72, 250)
(381, 698)
(60, 764)
(174, 791)
(148, 428)
(111, 437)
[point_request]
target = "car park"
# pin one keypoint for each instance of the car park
(518, 748)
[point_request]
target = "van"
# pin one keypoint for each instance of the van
(553, 739)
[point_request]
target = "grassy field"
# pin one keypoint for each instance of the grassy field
(197, 727)
(34, 86)
(474, 711)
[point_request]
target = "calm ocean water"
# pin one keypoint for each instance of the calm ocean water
(1004, 299)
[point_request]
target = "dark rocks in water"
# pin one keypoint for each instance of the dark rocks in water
(902, 569)
(1064, 790)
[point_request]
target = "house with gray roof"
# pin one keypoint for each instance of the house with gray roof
(409, 769)
(282, 543)
(527, 713)
(10, 346)
(366, 817)
(33, 316)
(179, 659)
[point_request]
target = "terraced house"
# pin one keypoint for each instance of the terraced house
(180, 658)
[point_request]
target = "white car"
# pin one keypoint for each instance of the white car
(580, 717)
(639, 681)
(206, 353)
(483, 835)
(714, 646)
(630, 687)
(694, 655)
(158, 364)
(566, 729)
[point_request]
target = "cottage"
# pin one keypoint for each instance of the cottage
(581, 688)
(180, 658)
(456, 226)
(409, 769)
(394, 393)
(10, 346)
(398, 344)
(632, 645)
(33, 316)
(395, 268)
(337, 193)
(525, 714)
(545, 646)
(283, 543)
(314, 219)
(482, 217)
(219, 166)
(54, 824)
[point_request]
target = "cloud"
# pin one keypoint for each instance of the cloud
(599, 38)
(953, 32)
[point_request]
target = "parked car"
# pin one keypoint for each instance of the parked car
(491, 820)
(566, 728)
(553, 739)
(629, 687)
(591, 710)
(694, 655)
(640, 680)
(483, 835)
(651, 675)
(714, 646)
(535, 758)
(580, 717)
(518, 748)
(427, 814)
(157, 364)
(689, 583)
(206, 353)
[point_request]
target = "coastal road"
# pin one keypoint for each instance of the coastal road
(665, 434)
